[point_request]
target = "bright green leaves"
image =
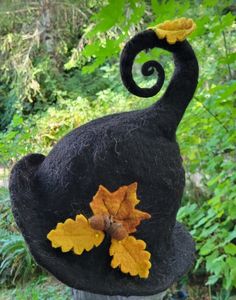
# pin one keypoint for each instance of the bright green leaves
(168, 9)
(118, 14)
(210, 3)
(219, 24)
(214, 236)
(208, 247)
(223, 268)
(135, 12)
(230, 249)
(110, 30)
(209, 150)
(230, 278)
(100, 52)
(229, 59)
(110, 15)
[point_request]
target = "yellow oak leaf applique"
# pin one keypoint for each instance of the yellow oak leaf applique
(176, 30)
(120, 205)
(76, 235)
(130, 256)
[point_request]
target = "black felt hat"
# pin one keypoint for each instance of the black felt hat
(113, 151)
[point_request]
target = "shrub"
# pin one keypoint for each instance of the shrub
(16, 262)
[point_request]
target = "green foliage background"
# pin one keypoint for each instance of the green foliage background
(42, 97)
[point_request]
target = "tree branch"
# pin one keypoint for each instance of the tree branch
(212, 114)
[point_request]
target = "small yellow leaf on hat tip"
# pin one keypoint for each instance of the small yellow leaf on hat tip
(175, 30)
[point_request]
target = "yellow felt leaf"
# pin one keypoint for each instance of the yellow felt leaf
(130, 256)
(76, 235)
(119, 204)
(176, 30)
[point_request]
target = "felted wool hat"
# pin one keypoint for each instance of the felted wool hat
(99, 212)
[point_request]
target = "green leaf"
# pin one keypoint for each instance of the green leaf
(17, 120)
(229, 59)
(230, 249)
(231, 261)
(210, 3)
(231, 235)
(136, 11)
(212, 279)
(214, 180)
(227, 20)
(208, 247)
(186, 210)
(231, 276)
(110, 15)
(206, 232)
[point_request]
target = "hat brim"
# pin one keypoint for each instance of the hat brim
(36, 215)
(85, 273)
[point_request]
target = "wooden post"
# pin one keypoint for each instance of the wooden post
(82, 295)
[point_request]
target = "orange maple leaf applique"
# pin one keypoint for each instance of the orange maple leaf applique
(120, 205)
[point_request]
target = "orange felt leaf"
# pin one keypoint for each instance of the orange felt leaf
(76, 235)
(120, 205)
(130, 256)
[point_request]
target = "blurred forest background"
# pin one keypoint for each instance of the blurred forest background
(59, 63)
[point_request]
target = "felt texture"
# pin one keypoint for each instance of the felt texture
(120, 205)
(116, 150)
(76, 235)
(130, 256)
(114, 213)
(176, 30)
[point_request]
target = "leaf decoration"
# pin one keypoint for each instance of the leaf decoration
(120, 205)
(176, 30)
(130, 256)
(76, 235)
(115, 214)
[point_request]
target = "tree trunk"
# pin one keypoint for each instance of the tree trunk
(47, 37)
